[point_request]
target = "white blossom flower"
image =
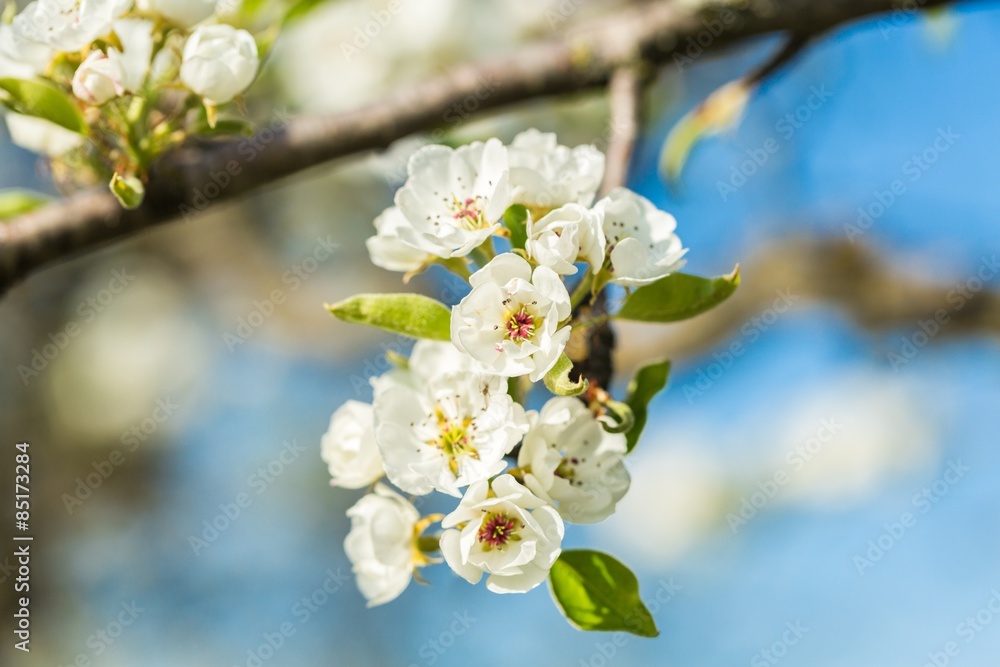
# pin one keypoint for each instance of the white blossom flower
(454, 198)
(68, 25)
(40, 136)
(428, 359)
(136, 37)
(641, 241)
(97, 79)
(511, 534)
(185, 13)
(21, 58)
(449, 432)
(219, 62)
(571, 233)
(510, 321)
(545, 175)
(569, 459)
(101, 77)
(382, 544)
(166, 64)
(388, 250)
(349, 449)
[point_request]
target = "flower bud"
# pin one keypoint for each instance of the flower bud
(219, 62)
(97, 79)
(166, 65)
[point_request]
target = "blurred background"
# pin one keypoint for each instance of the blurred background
(817, 486)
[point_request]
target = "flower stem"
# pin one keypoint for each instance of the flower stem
(582, 289)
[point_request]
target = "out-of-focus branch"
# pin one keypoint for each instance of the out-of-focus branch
(625, 101)
(853, 278)
(585, 59)
(625, 95)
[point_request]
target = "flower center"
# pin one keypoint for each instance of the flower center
(454, 438)
(496, 530)
(567, 468)
(468, 213)
(520, 325)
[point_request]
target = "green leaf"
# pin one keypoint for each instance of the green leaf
(515, 218)
(647, 382)
(597, 592)
(224, 127)
(412, 315)
(619, 417)
(43, 100)
(557, 379)
(678, 296)
(719, 111)
(15, 202)
(299, 9)
(128, 189)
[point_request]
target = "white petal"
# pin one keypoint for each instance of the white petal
(452, 555)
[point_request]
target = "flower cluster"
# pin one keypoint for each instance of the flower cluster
(453, 418)
(104, 86)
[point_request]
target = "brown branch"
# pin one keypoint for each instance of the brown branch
(625, 121)
(625, 100)
(795, 44)
(179, 183)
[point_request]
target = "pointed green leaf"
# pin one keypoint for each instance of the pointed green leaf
(299, 9)
(15, 202)
(515, 219)
(412, 315)
(678, 296)
(595, 591)
(557, 379)
(43, 100)
(618, 418)
(647, 382)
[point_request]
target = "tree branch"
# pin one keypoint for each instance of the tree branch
(625, 121)
(585, 59)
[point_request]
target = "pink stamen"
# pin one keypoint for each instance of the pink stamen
(520, 326)
(496, 530)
